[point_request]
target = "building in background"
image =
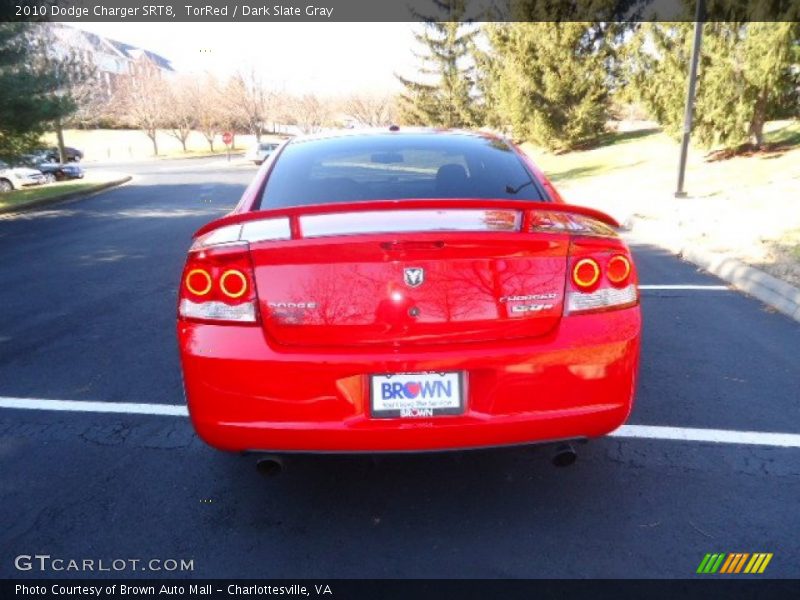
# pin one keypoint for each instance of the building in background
(111, 58)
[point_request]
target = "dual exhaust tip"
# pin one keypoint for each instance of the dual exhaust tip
(271, 466)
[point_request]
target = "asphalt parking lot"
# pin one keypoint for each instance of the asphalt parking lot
(87, 292)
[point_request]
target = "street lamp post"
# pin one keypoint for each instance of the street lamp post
(690, 93)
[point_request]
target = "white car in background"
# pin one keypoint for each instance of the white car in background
(15, 178)
(260, 152)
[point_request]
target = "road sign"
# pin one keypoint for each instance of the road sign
(227, 138)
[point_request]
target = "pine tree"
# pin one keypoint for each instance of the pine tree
(447, 98)
(32, 94)
(549, 82)
(748, 74)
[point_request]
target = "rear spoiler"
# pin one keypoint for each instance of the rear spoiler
(292, 215)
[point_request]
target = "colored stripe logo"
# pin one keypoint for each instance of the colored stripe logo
(734, 562)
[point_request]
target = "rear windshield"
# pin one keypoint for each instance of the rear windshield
(399, 166)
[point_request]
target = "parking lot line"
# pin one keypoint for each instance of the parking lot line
(716, 436)
(719, 288)
(131, 408)
(650, 432)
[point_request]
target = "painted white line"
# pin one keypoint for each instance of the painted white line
(650, 432)
(720, 288)
(132, 408)
(717, 436)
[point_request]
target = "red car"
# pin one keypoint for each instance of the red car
(406, 290)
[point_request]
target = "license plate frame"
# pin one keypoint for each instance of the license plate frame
(404, 407)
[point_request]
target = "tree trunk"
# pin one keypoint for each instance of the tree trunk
(756, 131)
(153, 135)
(183, 143)
(62, 154)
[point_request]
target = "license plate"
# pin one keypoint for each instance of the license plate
(416, 395)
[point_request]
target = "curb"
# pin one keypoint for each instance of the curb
(773, 292)
(100, 187)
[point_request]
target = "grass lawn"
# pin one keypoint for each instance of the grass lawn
(20, 198)
(785, 133)
(646, 161)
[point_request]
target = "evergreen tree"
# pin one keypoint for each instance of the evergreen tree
(28, 104)
(36, 88)
(748, 74)
(447, 98)
(549, 82)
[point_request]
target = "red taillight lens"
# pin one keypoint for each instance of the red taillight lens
(198, 282)
(618, 270)
(585, 273)
(218, 285)
(233, 283)
(601, 278)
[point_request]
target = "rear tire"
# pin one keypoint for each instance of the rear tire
(5, 186)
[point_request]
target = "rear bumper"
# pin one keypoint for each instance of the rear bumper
(245, 395)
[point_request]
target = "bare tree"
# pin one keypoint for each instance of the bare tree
(182, 113)
(143, 101)
(248, 102)
(205, 97)
(370, 110)
(282, 109)
(93, 105)
(311, 113)
(233, 116)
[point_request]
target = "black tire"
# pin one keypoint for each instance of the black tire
(5, 186)
(50, 178)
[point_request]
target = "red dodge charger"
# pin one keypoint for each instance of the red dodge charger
(406, 290)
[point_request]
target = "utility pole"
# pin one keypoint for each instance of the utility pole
(690, 93)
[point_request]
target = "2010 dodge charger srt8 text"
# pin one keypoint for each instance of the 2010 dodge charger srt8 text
(406, 291)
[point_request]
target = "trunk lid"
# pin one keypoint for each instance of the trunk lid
(418, 276)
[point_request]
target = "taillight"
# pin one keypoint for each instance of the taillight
(198, 282)
(601, 278)
(218, 285)
(233, 283)
(586, 274)
(618, 270)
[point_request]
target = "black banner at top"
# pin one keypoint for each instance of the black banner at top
(396, 10)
